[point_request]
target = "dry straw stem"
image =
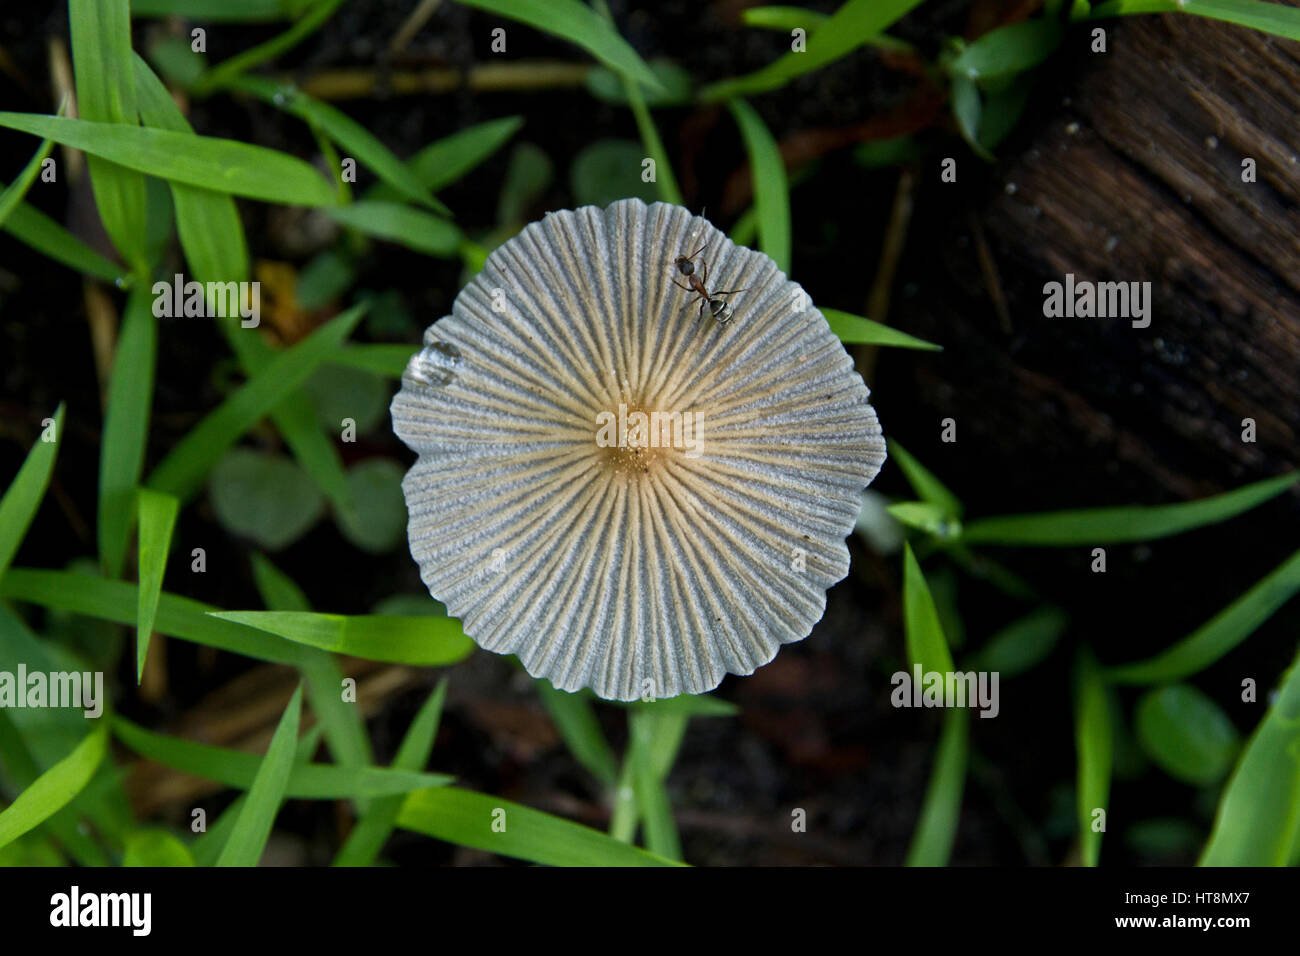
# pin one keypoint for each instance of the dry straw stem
(633, 571)
(360, 83)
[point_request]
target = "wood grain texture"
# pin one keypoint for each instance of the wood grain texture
(1127, 168)
(1136, 176)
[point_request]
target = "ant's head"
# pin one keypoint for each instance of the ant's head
(686, 264)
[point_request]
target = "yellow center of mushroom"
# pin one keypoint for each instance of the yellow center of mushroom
(634, 439)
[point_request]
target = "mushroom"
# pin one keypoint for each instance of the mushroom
(622, 491)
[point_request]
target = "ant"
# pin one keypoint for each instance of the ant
(719, 308)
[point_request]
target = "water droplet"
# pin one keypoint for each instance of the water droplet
(1212, 142)
(435, 364)
(1010, 189)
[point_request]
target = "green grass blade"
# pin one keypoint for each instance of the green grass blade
(1269, 17)
(207, 847)
(21, 771)
(376, 824)
(1009, 49)
(32, 227)
(182, 472)
(1186, 734)
(968, 111)
(219, 11)
(745, 230)
(55, 788)
(771, 188)
(341, 720)
(228, 71)
(41, 737)
(253, 827)
(576, 721)
(225, 165)
(157, 514)
(626, 814)
(923, 482)
(689, 705)
(445, 161)
(580, 25)
(1258, 820)
(927, 648)
(24, 494)
(669, 191)
(207, 222)
(924, 516)
(279, 591)
(853, 24)
(1217, 636)
(296, 419)
(350, 136)
(13, 195)
(101, 56)
(418, 641)
(306, 781)
(488, 823)
(1094, 745)
(926, 644)
(664, 178)
(394, 222)
(656, 737)
(936, 828)
(855, 330)
(1023, 644)
(126, 427)
(389, 360)
(177, 616)
(156, 848)
(1099, 526)
(783, 18)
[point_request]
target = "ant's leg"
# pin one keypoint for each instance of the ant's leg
(680, 286)
(704, 268)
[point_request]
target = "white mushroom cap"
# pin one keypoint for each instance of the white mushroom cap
(633, 571)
